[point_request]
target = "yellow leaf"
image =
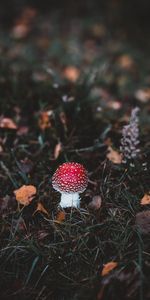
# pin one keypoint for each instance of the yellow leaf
(145, 200)
(109, 267)
(60, 216)
(114, 156)
(25, 194)
(41, 208)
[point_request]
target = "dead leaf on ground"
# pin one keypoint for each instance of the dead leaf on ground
(143, 221)
(25, 194)
(40, 208)
(109, 267)
(114, 156)
(7, 123)
(146, 199)
(71, 73)
(60, 216)
(96, 202)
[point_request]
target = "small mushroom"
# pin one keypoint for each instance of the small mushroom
(70, 179)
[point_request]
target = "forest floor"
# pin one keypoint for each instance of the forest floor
(67, 88)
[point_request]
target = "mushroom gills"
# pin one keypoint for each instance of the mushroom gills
(70, 199)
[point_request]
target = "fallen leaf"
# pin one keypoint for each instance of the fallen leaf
(143, 221)
(71, 73)
(114, 156)
(7, 123)
(96, 202)
(109, 267)
(60, 216)
(25, 194)
(57, 150)
(146, 199)
(41, 208)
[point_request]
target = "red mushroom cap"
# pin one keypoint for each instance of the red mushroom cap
(70, 177)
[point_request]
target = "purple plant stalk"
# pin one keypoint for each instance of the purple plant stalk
(130, 138)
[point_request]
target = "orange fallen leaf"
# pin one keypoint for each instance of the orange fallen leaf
(60, 216)
(114, 156)
(57, 150)
(41, 208)
(25, 194)
(146, 199)
(71, 73)
(7, 123)
(109, 267)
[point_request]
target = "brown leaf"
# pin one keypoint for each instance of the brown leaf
(114, 156)
(109, 267)
(71, 73)
(7, 123)
(60, 216)
(143, 221)
(57, 150)
(96, 202)
(41, 208)
(146, 199)
(25, 194)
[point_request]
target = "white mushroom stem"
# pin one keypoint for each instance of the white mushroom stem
(70, 199)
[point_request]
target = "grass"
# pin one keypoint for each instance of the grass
(41, 258)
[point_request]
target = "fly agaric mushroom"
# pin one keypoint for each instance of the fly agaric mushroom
(70, 179)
